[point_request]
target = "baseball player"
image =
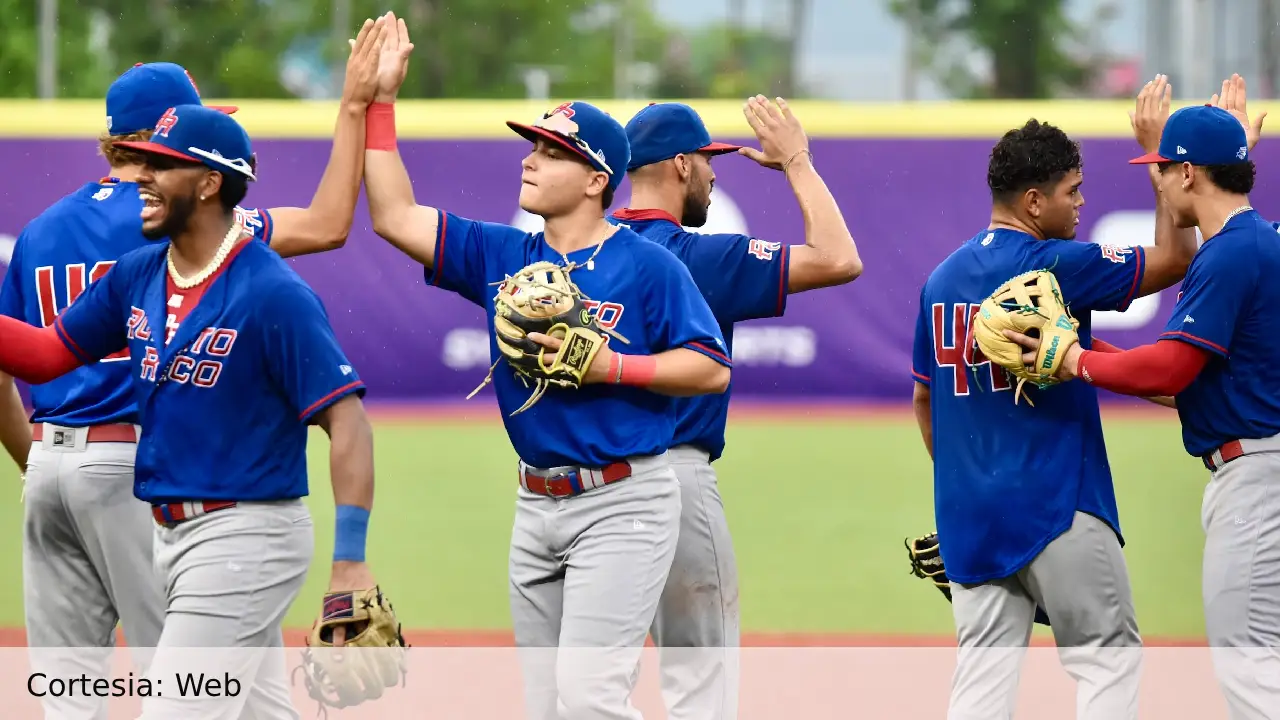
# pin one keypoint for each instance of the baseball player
(1034, 523)
(742, 278)
(598, 509)
(88, 542)
(1215, 357)
(224, 478)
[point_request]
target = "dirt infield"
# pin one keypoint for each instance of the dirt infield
(295, 637)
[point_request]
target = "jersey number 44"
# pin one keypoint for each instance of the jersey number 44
(77, 281)
(957, 350)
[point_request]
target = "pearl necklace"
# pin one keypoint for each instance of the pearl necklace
(219, 257)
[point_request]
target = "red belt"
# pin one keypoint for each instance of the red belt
(577, 481)
(97, 433)
(1230, 451)
(174, 513)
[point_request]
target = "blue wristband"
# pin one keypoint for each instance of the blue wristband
(349, 535)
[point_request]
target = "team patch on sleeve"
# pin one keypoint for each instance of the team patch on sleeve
(1116, 253)
(763, 249)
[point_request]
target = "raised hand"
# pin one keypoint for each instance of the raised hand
(782, 139)
(1150, 112)
(393, 63)
(362, 66)
(1232, 99)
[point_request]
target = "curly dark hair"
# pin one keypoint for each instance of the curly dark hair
(1237, 178)
(1036, 155)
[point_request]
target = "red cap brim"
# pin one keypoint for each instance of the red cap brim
(158, 149)
(531, 133)
(719, 148)
(228, 109)
(1149, 158)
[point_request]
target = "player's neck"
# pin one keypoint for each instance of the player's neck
(1214, 211)
(193, 250)
(126, 173)
(583, 228)
(1002, 219)
(646, 197)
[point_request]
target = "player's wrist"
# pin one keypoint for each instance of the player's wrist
(633, 370)
(380, 126)
(351, 529)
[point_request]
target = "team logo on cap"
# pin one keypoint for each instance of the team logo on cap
(166, 123)
(560, 121)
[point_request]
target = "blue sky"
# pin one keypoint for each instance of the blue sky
(848, 43)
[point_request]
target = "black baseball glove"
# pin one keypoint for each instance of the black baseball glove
(926, 562)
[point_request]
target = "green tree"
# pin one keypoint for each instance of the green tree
(1028, 42)
(82, 71)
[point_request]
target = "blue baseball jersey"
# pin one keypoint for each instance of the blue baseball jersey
(1226, 307)
(226, 397)
(58, 255)
(1008, 479)
(637, 288)
(742, 278)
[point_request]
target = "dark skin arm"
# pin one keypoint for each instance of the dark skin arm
(351, 467)
(920, 407)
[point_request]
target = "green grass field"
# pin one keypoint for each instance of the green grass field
(818, 506)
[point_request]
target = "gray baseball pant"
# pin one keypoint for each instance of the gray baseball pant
(86, 562)
(1082, 582)
(586, 572)
(230, 576)
(1241, 584)
(697, 627)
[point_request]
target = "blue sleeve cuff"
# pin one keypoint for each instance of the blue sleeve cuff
(1139, 270)
(352, 387)
(711, 352)
(1193, 340)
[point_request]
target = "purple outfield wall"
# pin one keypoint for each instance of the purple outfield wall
(909, 202)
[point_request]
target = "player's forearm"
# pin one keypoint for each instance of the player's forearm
(1165, 368)
(395, 214)
(15, 428)
(332, 211)
(351, 473)
(924, 418)
(31, 354)
(350, 453)
(680, 373)
(830, 253)
(1161, 400)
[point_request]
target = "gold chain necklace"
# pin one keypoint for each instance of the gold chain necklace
(219, 257)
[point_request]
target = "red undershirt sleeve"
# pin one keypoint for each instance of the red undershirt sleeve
(1165, 368)
(1104, 346)
(34, 355)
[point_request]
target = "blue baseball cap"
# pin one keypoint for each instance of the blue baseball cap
(137, 99)
(662, 131)
(586, 130)
(204, 135)
(1200, 135)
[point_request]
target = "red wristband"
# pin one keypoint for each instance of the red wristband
(637, 370)
(380, 127)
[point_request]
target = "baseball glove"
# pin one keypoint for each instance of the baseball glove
(541, 298)
(372, 658)
(1031, 304)
(926, 562)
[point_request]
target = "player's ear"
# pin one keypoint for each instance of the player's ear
(684, 167)
(1032, 201)
(210, 184)
(597, 184)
